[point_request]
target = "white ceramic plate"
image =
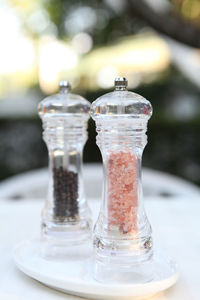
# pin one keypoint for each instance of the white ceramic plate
(73, 275)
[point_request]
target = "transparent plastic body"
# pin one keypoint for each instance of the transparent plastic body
(66, 219)
(122, 234)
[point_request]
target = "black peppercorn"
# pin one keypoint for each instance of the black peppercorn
(65, 186)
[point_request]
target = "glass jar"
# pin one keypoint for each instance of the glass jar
(66, 217)
(122, 234)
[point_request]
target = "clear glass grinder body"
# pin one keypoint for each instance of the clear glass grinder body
(66, 216)
(122, 234)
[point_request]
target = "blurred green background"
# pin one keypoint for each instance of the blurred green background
(90, 43)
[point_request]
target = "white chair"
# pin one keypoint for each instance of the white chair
(34, 184)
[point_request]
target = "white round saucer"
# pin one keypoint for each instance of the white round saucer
(73, 274)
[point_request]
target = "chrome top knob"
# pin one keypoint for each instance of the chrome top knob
(121, 83)
(64, 86)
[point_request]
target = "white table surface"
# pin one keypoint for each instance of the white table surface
(176, 228)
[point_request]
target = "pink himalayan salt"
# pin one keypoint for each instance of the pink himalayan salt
(123, 191)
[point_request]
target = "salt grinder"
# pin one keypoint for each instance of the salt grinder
(122, 234)
(66, 216)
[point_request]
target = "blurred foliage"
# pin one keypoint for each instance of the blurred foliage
(108, 19)
(189, 9)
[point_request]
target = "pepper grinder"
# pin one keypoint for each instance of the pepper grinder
(66, 217)
(122, 234)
